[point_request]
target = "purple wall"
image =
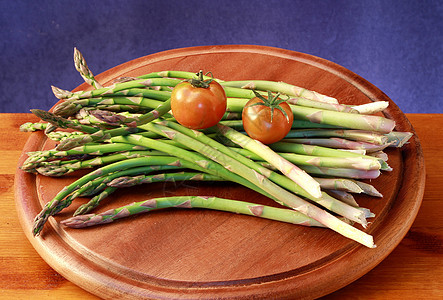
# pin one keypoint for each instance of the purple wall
(396, 45)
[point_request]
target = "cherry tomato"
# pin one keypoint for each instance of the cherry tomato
(198, 106)
(266, 122)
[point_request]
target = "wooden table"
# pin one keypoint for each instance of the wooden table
(414, 270)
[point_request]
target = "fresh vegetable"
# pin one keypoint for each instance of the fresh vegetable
(82, 68)
(125, 132)
(198, 103)
(267, 119)
(215, 203)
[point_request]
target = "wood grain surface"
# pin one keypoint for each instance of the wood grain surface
(414, 270)
(167, 255)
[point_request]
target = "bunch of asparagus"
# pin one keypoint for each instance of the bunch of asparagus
(126, 135)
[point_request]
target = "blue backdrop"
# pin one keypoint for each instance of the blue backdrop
(396, 45)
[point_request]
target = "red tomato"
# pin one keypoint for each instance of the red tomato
(198, 107)
(259, 125)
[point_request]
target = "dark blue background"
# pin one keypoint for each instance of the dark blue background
(396, 45)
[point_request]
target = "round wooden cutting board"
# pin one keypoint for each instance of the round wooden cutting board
(179, 253)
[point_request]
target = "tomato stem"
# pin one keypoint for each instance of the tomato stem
(273, 102)
(200, 82)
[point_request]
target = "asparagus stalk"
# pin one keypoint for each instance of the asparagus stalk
(119, 108)
(62, 135)
(368, 189)
(318, 161)
(276, 192)
(50, 128)
(61, 122)
(59, 202)
(176, 74)
(343, 196)
(102, 119)
(372, 107)
(322, 105)
(281, 87)
(357, 135)
(235, 206)
(95, 201)
(204, 163)
(398, 139)
(348, 120)
(69, 107)
(237, 124)
(325, 200)
(326, 218)
(57, 170)
(93, 149)
(313, 150)
(341, 172)
(85, 72)
(31, 127)
(231, 116)
(99, 136)
(127, 181)
(341, 184)
(101, 187)
(115, 88)
(54, 157)
(328, 117)
(287, 168)
(380, 155)
(339, 143)
(233, 90)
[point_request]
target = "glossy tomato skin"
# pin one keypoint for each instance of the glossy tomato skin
(257, 121)
(197, 107)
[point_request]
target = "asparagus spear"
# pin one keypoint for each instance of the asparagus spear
(239, 207)
(322, 105)
(356, 135)
(274, 191)
(57, 170)
(319, 161)
(338, 143)
(61, 122)
(341, 172)
(236, 91)
(93, 149)
(99, 136)
(82, 68)
(348, 120)
(31, 127)
(372, 107)
(102, 188)
(341, 184)
(325, 200)
(343, 196)
(328, 117)
(69, 107)
(320, 151)
(70, 159)
(281, 87)
(398, 138)
(368, 189)
(59, 202)
(176, 74)
(115, 88)
(380, 155)
(287, 168)
(127, 181)
(237, 124)
(62, 135)
(95, 201)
